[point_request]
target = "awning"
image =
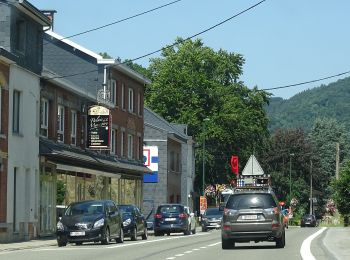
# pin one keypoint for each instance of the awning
(78, 160)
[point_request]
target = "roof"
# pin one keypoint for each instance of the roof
(155, 120)
(33, 12)
(114, 63)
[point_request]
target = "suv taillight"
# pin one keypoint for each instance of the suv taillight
(158, 216)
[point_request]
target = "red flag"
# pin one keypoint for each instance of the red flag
(234, 164)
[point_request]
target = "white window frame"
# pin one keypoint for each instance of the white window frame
(73, 130)
(113, 135)
(60, 122)
(112, 86)
(139, 110)
(130, 146)
(0, 108)
(123, 96)
(131, 100)
(122, 143)
(16, 111)
(44, 117)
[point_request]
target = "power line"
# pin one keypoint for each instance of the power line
(118, 21)
(172, 45)
(307, 82)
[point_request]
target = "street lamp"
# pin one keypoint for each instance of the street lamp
(203, 165)
(290, 175)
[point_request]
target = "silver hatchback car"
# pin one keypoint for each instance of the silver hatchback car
(252, 215)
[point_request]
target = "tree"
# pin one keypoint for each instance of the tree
(341, 192)
(192, 82)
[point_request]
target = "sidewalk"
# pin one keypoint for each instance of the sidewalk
(337, 241)
(28, 244)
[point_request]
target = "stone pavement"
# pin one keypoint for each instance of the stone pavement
(336, 241)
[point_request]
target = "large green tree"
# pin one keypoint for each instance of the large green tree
(191, 83)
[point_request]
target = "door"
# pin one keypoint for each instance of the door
(47, 205)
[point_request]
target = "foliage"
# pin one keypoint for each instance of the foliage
(190, 83)
(301, 110)
(138, 68)
(105, 55)
(61, 192)
(341, 190)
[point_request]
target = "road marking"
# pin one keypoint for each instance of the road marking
(191, 251)
(203, 247)
(215, 244)
(196, 249)
(170, 258)
(179, 255)
(305, 250)
(188, 252)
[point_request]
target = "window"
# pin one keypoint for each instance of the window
(131, 100)
(113, 134)
(16, 111)
(139, 104)
(44, 117)
(0, 108)
(130, 146)
(60, 123)
(139, 146)
(172, 161)
(20, 36)
(73, 132)
(123, 96)
(122, 144)
(112, 87)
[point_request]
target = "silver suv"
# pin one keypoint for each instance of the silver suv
(252, 215)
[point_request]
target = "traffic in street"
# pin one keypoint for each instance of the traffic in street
(202, 245)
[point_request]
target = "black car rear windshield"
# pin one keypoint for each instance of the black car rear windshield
(250, 201)
(212, 211)
(166, 209)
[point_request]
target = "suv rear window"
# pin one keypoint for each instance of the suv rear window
(170, 209)
(250, 201)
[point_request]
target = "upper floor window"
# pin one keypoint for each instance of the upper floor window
(16, 111)
(130, 146)
(131, 100)
(113, 143)
(123, 96)
(60, 123)
(139, 147)
(0, 108)
(112, 87)
(44, 117)
(122, 144)
(20, 36)
(73, 132)
(139, 104)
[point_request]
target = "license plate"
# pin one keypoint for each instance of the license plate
(77, 233)
(213, 224)
(170, 219)
(249, 217)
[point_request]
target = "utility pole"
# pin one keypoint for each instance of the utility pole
(203, 163)
(311, 199)
(337, 162)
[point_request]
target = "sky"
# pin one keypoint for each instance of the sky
(283, 42)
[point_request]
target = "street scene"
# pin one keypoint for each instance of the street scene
(129, 131)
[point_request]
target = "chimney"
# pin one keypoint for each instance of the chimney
(50, 14)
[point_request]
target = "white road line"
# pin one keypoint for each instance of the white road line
(215, 244)
(305, 250)
(170, 258)
(188, 252)
(179, 255)
(196, 249)
(203, 247)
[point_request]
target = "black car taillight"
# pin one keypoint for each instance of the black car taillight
(182, 215)
(158, 216)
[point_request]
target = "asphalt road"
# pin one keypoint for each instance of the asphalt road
(203, 246)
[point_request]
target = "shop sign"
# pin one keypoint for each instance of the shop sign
(98, 127)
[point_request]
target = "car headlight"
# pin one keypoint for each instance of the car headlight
(126, 222)
(59, 226)
(99, 223)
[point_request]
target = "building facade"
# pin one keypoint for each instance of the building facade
(176, 163)
(21, 38)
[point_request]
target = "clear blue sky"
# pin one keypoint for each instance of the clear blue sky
(283, 42)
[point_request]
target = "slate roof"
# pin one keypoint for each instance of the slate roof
(153, 119)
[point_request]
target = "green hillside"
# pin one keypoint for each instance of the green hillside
(301, 110)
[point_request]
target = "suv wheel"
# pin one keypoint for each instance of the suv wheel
(227, 243)
(281, 241)
(105, 240)
(120, 239)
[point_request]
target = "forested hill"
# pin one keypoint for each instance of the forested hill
(301, 110)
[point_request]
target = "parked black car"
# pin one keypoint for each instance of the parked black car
(173, 218)
(308, 220)
(134, 223)
(90, 221)
(211, 219)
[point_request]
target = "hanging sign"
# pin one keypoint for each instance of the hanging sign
(98, 127)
